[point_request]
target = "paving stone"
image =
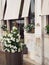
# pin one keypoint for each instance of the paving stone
(27, 63)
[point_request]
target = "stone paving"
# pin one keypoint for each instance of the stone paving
(27, 63)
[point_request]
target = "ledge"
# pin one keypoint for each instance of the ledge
(29, 33)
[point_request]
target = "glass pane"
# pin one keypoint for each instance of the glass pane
(31, 18)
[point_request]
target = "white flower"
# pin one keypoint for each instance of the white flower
(9, 35)
(13, 51)
(14, 32)
(12, 46)
(5, 35)
(19, 50)
(5, 44)
(15, 47)
(17, 40)
(13, 39)
(7, 50)
(9, 45)
(18, 35)
(14, 28)
(8, 40)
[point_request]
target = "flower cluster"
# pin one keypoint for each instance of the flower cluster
(12, 41)
(4, 27)
(29, 27)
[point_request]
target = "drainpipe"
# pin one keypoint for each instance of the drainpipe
(42, 40)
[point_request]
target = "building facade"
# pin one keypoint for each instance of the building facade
(37, 42)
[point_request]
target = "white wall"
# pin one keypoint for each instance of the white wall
(30, 43)
(34, 42)
(29, 39)
(38, 32)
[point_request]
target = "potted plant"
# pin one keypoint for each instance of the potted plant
(13, 47)
(47, 29)
(30, 28)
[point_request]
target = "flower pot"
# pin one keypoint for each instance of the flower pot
(33, 30)
(2, 58)
(14, 58)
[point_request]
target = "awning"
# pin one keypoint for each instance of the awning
(26, 8)
(2, 8)
(17, 9)
(3, 4)
(12, 10)
(45, 7)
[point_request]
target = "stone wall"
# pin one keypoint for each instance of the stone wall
(30, 43)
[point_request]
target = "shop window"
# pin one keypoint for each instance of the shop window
(20, 25)
(21, 28)
(30, 28)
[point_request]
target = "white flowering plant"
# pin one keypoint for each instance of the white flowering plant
(29, 27)
(12, 41)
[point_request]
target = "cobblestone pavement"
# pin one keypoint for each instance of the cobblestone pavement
(27, 63)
